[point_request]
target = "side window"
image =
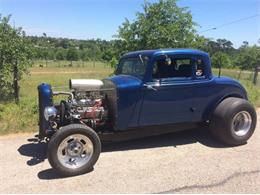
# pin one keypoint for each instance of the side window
(200, 72)
(183, 67)
(173, 68)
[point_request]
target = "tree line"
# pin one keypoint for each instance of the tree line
(50, 48)
(162, 24)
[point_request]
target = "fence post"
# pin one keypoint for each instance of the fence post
(255, 75)
(15, 82)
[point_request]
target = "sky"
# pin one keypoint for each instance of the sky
(87, 19)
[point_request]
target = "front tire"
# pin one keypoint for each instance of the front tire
(233, 121)
(73, 150)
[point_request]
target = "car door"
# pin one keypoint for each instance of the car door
(167, 100)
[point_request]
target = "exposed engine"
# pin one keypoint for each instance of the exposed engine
(85, 104)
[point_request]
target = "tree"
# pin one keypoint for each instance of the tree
(200, 42)
(225, 45)
(64, 43)
(161, 25)
(72, 55)
(85, 54)
(244, 45)
(51, 54)
(113, 62)
(221, 59)
(249, 59)
(107, 55)
(220, 45)
(16, 53)
(60, 54)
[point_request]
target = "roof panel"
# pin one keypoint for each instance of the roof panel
(165, 51)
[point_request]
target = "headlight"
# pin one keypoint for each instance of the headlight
(49, 112)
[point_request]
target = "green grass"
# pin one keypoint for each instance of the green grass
(24, 117)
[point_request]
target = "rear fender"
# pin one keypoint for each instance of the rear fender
(209, 111)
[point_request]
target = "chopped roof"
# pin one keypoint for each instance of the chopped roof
(165, 51)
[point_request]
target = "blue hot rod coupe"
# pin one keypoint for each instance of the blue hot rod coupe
(151, 92)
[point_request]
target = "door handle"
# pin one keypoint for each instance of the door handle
(150, 87)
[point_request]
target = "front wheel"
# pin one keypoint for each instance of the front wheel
(233, 121)
(74, 149)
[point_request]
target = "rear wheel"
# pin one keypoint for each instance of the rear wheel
(74, 150)
(233, 121)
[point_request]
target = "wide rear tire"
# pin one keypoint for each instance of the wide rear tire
(74, 149)
(233, 122)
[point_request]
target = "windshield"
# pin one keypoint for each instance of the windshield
(134, 66)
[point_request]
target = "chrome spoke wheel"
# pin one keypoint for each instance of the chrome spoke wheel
(75, 151)
(241, 123)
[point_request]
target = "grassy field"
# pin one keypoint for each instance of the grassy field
(24, 117)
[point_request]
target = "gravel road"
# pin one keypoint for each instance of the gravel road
(184, 162)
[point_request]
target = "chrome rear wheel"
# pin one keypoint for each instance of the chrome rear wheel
(241, 123)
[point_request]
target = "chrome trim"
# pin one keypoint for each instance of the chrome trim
(241, 123)
(49, 111)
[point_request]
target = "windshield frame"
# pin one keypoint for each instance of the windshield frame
(144, 59)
